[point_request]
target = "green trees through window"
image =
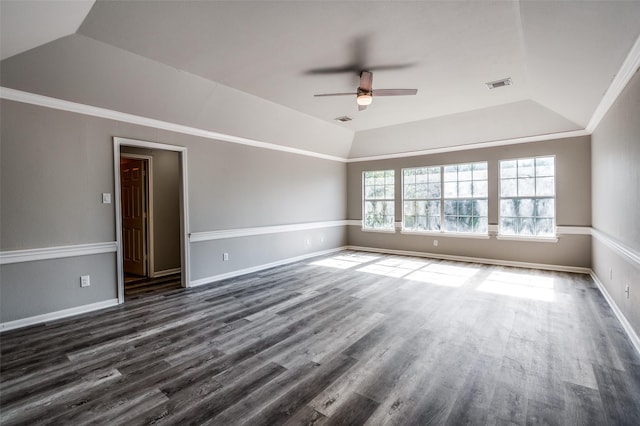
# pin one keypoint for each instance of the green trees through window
(527, 197)
(378, 196)
(450, 198)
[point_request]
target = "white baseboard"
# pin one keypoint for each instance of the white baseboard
(232, 274)
(635, 340)
(499, 262)
(52, 316)
(166, 272)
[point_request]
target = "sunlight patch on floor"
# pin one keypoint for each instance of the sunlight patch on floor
(345, 261)
(444, 275)
(522, 285)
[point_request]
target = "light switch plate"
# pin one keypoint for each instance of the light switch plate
(106, 198)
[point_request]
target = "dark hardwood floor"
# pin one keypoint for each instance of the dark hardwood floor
(349, 339)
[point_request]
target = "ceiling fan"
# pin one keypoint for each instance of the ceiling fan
(365, 92)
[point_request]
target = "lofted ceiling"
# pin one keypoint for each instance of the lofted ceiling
(561, 55)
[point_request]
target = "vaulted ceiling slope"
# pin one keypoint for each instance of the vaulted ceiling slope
(561, 57)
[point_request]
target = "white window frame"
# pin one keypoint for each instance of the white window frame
(390, 227)
(528, 237)
(442, 231)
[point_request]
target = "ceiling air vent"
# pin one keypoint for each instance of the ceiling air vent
(499, 83)
(343, 119)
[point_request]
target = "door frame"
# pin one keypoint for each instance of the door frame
(148, 180)
(184, 207)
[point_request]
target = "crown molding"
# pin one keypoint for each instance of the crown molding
(63, 105)
(629, 67)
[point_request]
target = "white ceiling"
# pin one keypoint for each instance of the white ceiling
(561, 56)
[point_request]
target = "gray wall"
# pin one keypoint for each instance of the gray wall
(166, 206)
(55, 165)
(573, 205)
(615, 151)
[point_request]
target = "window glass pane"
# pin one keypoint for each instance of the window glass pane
(450, 207)
(433, 223)
(527, 203)
(544, 227)
(388, 191)
(422, 176)
(409, 191)
(480, 188)
(464, 189)
(451, 223)
(433, 190)
(545, 186)
(378, 211)
(525, 226)
(421, 190)
(526, 167)
(545, 208)
(433, 208)
(408, 174)
(481, 225)
(464, 172)
(480, 208)
(421, 208)
(409, 208)
(409, 222)
(508, 169)
(526, 187)
(450, 189)
(524, 207)
(465, 207)
(545, 166)
(507, 208)
(509, 188)
(480, 171)
(465, 224)
(434, 174)
(450, 173)
(508, 226)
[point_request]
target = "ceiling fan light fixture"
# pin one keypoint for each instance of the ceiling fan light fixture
(364, 99)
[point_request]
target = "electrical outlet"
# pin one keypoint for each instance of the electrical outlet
(85, 281)
(106, 198)
(435, 243)
(225, 257)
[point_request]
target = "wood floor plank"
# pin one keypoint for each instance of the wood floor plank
(348, 338)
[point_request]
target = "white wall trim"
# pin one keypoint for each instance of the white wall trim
(60, 104)
(164, 273)
(623, 250)
(185, 256)
(635, 340)
(479, 145)
(232, 274)
(52, 316)
(45, 253)
(573, 230)
(499, 262)
(261, 230)
(627, 70)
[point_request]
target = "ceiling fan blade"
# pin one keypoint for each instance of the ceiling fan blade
(390, 67)
(394, 92)
(362, 107)
(336, 94)
(366, 81)
(351, 68)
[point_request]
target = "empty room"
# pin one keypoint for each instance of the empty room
(319, 212)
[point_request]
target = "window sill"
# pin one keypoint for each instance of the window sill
(446, 234)
(527, 239)
(379, 230)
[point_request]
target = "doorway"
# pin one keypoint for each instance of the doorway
(141, 256)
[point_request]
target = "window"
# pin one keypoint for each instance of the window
(421, 203)
(465, 198)
(527, 196)
(457, 193)
(378, 188)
